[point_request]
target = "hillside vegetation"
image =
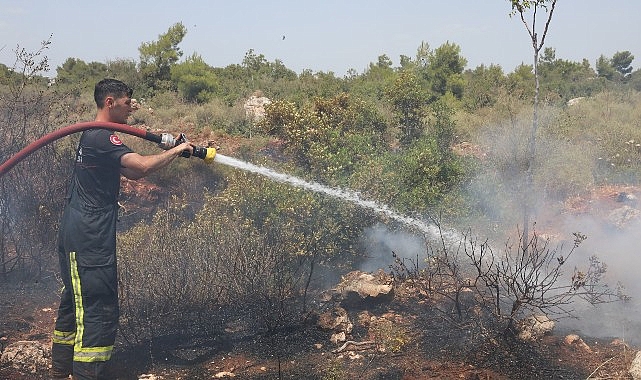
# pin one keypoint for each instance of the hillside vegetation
(430, 139)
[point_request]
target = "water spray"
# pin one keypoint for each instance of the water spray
(430, 230)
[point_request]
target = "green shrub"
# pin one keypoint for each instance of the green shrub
(609, 123)
(249, 250)
(329, 137)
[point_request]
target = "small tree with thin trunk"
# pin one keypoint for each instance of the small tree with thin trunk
(522, 8)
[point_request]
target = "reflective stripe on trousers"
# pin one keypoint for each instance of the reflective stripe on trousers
(81, 353)
(64, 337)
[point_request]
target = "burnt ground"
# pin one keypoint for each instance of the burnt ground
(417, 344)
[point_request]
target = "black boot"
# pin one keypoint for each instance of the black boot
(61, 361)
(55, 374)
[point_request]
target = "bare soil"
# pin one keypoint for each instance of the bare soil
(430, 349)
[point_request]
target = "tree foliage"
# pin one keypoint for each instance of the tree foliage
(195, 79)
(621, 61)
(565, 79)
(617, 68)
(157, 57)
(8, 76)
(408, 99)
(445, 70)
(375, 81)
(74, 71)
(483, 85)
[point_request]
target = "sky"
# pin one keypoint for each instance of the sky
(329, 36)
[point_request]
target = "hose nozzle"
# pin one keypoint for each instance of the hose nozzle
(167, 141)
(207, 154)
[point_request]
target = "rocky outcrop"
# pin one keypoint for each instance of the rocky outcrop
(575, 101)
(576, 342)
(338, 322)
(534, 327)
(624, 216)
(351, 296)
(255, 107)
(360, 289)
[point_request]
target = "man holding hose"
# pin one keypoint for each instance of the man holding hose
(85, 329)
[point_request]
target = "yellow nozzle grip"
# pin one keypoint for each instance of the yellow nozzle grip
(211, 153)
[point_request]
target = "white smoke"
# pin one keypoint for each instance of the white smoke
(618, 248)
(379, 243)
(344, 194)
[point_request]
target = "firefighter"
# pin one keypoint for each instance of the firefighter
(85, 328)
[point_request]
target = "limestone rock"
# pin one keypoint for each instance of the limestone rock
(358, 288)
(255, 106)
(336, 320)
(624, 216)
(534, 327)
(635, 367)
(574, 340)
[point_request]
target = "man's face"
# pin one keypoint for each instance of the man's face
(119, 109)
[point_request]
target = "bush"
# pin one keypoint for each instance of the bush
(485, 291)
(249, 251)
(32, 194)
(607, 125)
(331, 137)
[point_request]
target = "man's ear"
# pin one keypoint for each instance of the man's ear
(109, 101)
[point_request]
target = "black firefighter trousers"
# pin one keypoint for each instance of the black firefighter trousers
(85, 330)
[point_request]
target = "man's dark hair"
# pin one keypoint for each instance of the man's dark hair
(110, 87)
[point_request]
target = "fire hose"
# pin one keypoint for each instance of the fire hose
(164, 140)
